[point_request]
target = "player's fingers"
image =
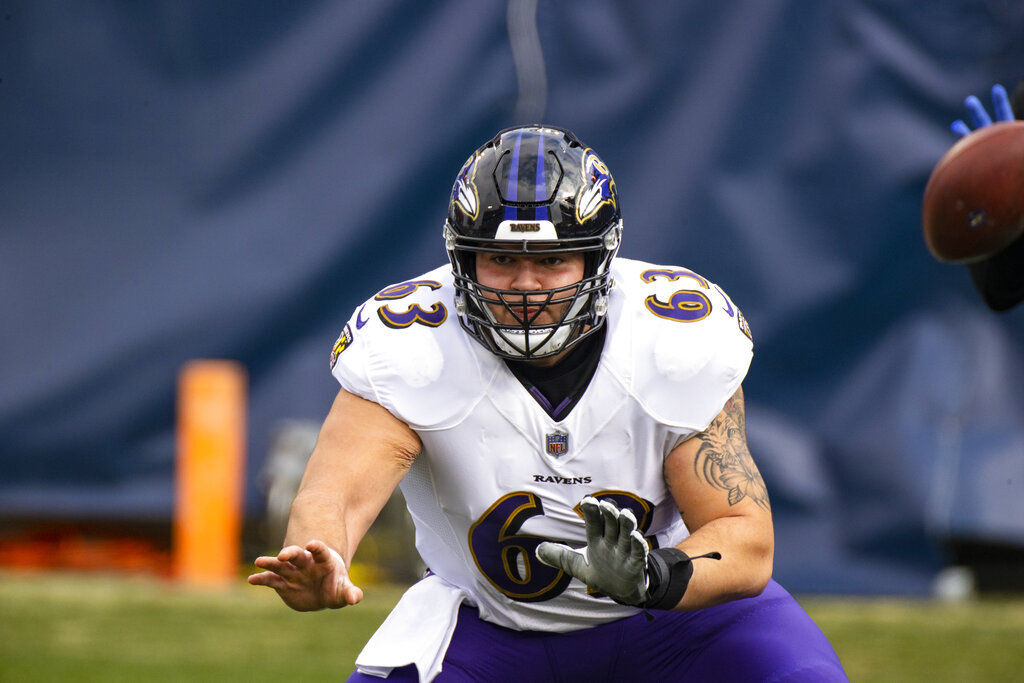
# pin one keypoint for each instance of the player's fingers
(275, 565)
(320, 552)
(344, 593)
(563, 557)
(627, 524)
(610, 513)
(264, 560)
(592, 519)
(960, 128)
(352, 594)
(976, 111)
(1001, 103)
(269, 579)
(300, 557)
(638, 548)
(550, 554)
(288, 552)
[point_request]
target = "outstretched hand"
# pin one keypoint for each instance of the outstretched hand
(979, 116)
(614, 562)
(307, 579)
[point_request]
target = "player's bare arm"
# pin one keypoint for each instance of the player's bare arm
(723, 501)
(361, 454)
(723, 459)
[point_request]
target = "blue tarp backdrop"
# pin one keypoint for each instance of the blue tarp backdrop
(212, 179)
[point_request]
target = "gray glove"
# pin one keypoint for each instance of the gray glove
(614, 561)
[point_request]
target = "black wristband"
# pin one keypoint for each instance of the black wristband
(668, 574)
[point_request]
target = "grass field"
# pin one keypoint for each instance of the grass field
(89, 628)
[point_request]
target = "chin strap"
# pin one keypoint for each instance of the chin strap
(668, 574)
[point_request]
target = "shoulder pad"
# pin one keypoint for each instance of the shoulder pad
(405, 350)
(678, 343)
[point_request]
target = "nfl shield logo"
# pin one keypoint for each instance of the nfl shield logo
(557, 444)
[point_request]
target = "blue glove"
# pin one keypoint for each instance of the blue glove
(979, 117)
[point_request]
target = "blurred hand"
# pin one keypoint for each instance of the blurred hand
(979, 116)
(307, 579)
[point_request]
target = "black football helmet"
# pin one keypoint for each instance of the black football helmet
(533, 189)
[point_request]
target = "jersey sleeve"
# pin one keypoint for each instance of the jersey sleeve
(350, 357)
(404, 350)
(691, 348)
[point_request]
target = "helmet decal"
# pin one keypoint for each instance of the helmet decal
(598, 189)
(464, 194)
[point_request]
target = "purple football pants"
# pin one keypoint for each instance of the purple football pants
(766, 638)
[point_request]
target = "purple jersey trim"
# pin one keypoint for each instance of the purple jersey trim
(541, 399)
(553, 411)
(561, 406)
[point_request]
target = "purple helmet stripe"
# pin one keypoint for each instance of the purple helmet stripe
(513, 180)
(541, 214)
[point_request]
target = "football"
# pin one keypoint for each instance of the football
(974, 201)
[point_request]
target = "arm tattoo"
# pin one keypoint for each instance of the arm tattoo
(723, 459)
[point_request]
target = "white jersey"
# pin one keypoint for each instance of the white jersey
(497, 475)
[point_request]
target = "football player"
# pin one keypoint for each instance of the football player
(1000, 278)
(568, 431)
